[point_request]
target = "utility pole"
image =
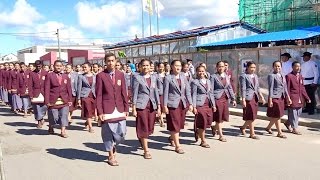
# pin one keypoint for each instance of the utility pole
(58, 37)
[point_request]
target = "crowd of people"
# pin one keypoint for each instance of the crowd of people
(155, 91)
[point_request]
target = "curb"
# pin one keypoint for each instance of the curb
(2, 175)
(302, 122)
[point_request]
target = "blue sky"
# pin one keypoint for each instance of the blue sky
(100, 21)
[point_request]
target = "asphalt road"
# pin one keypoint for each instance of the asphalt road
(30, 153)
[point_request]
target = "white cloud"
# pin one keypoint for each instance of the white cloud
(22, 14)
(201, 12)
(108, 18)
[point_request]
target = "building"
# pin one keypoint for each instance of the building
(178, 45)
(280, 15)
(72, 54)
(9, 58)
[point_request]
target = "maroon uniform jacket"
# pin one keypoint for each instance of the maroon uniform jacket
(296, 90)
(1, 72)
(13, 80)
(111, 94)
(55, 89)
(36, 82)
(23, 82)
(232, 81)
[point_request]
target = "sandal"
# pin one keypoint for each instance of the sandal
(296, 132)
(222, 139)
(204, 145)
(171, 142)
(64, 135)
(51, 130)
(269, 131)
(40, 124)
(113, 162)
(287, 126)
(91, 130)
(243, 131)
(147, 155)
(179, 150)
(282, 136)
(196, 136)
(254, 137)
(213, 131)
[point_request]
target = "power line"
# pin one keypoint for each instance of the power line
(53, 36)
(15, 33)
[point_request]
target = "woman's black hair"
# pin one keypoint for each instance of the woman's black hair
(158, 65)
(144, 60)
(295, 62)
(249, 63)
(174, 61)
(219, 63)
(277, 61)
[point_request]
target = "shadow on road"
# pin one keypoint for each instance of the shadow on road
(32, 132)
(22, 124)
(124, 148)
(76, 154)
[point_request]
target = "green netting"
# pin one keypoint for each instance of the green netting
(279, 15)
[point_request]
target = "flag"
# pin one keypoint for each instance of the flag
(147, 6)
(158, 7)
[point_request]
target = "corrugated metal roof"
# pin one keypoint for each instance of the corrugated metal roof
(183, 34)
(270, 37)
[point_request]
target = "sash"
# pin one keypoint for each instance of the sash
(39, 99)
(115, 115)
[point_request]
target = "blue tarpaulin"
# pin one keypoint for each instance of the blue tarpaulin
(270, 37)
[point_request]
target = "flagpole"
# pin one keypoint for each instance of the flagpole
(150, 24)
(157, 17)
(142, 19)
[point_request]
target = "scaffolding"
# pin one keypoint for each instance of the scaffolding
(280, 15)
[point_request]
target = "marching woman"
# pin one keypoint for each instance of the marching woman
(145, 104)
(74, 80)
(176, 102)
(86, 95)
(58, 98)
(223, 93)
(186, 71)
(250, 94)
(204, 104)
(278, 93)
(160, 78)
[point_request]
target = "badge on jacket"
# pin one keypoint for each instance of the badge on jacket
(43, 78)
(27, 76)
(65, 81)
(119, 82)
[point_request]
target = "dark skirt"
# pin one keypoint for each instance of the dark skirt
(222, 113)
(161, 101)
(251, 110)
(88, 107)
(203, 119)
(176, 118)
(73, 107)
(145, 121)
(277, 110)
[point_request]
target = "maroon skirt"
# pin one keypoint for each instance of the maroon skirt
(251, 110)
(222, 112)
(145, 121)
(176, 118)
(161, 101)
(277, 110)
(129, 93)
(88, 105)
(73, 107)
(203, 119)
